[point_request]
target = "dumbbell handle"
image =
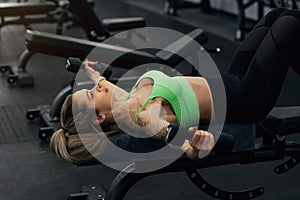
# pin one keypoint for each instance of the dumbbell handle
(224, 144)
(73, 64)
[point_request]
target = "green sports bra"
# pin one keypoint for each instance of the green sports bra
(177, 91)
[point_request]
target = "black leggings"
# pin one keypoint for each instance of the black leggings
(260, 65)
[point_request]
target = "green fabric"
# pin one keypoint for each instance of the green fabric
(177, 91)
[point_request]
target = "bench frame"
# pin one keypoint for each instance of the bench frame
(278, 149)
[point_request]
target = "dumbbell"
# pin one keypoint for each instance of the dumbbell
(267, 2)
(289, 4)
(297, 4)
(278, 3)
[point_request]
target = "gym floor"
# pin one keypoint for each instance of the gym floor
(28, 170)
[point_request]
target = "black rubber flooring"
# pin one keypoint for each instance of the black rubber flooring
(28, 170)
(10, 133)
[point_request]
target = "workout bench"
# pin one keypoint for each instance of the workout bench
(272, 130)
(27, 13)
(95, 29)
(236, 145)
(64, 46)
(172, 7)
(274, 146)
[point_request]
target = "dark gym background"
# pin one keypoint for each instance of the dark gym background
(28, 170)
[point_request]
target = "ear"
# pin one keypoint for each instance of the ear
(98, 88)
(99, 119)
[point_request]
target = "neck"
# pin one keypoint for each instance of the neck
(120, 111)
(109, 116)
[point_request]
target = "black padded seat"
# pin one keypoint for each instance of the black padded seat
(26, 8)
(57, 45)
(97, 29)
(283, 126)
(125, 23)
(182, 46)
(65, 46)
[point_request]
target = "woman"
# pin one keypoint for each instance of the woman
(148, 114)
(252, 87)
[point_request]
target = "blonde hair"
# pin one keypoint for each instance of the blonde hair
(67, 144)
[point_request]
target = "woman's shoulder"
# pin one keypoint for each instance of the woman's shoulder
(153, 74)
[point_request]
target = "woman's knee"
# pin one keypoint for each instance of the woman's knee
(271, 17)
(286, 29)
(291, 12)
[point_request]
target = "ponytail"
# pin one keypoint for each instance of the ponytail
(68, 145)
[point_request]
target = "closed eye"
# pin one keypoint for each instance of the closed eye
(90, 95)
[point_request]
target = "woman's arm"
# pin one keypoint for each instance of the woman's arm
(102, 82)
(152, 124)
(151, 121)
(201, 144)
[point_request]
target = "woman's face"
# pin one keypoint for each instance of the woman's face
(98, 98)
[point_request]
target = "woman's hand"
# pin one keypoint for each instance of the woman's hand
(201, 144)
(91, 73)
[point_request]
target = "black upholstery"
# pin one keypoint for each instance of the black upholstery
(282, 126)
(27, 8)
(117, 24)
(182, 46)
(96, 28)
(65, 46)
(88, 19)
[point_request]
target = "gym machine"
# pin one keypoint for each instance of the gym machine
(291, 4)
(26, 13)
(272, 131)
(172, 7)
(95, 29)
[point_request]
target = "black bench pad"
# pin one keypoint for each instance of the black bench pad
(65, 46)
(27, 8)
(183, 46)
(125, 23)
(283, 120)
